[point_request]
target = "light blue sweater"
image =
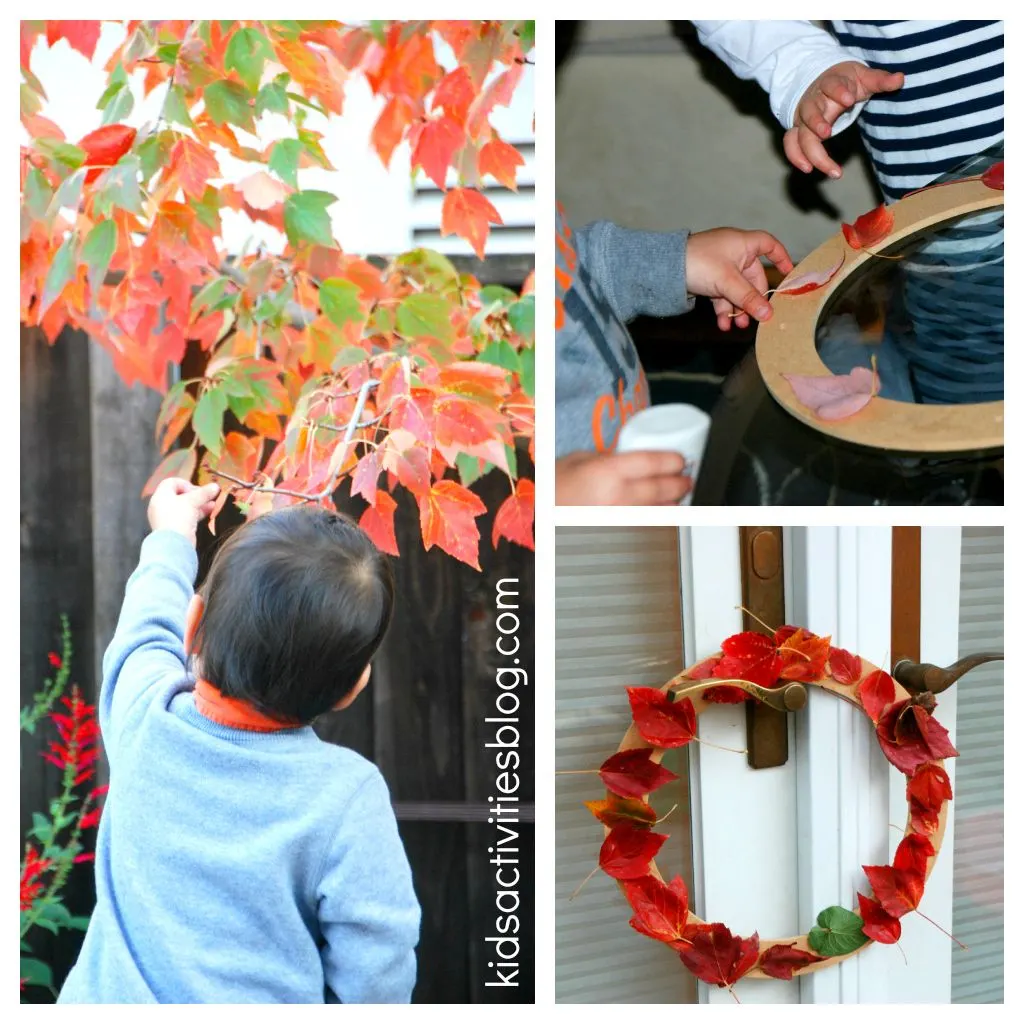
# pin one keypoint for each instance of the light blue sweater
(232, 866)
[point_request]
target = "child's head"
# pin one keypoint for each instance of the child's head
(295, 605)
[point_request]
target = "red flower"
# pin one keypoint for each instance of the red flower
(31, 880)
(55, 659)
(79, 733)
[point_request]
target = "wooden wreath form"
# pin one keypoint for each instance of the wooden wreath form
(786, 343)
(633, 740)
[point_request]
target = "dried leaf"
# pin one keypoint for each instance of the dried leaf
(927, 791)
(632, 773)
(899, 888)
(617, 810)
(876, 693)
(661, 721)
(660, 910)
(909, 736)
(870, 228)
(844, 666)
(627, 851)
(878, 924)
(716, 956)
(835, 396)
(803, 655)
(811, 281)
(781, 960)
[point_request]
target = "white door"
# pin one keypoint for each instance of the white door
(774, 847)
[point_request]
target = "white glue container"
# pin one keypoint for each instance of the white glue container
(669, 428)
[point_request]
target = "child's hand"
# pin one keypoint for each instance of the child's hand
(621, 478)
(178, 505)
(829, 95)
(725, 265)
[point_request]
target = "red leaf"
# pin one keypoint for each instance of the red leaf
(716, 956)
(627, 852)
(459, 421)
(412, 468)
(660, 911)
(899, 888)
(750, 656)
(927, 790)
(878, 925)
(455, 94)
(876, 692)
(436, 142)
(835, 396)
(704, 669)
(617, 810)
(803, 656)
(632, 773)
(105, 146)
(782, 960)
(81, 35)
(870, 228)
(390, 127)
(468, 214)
(514, 519)
(364, 479)
(192, 165)
(993, 177)
(448, 519)
(501, 160)
(845, 667)
(810, 282)
(909, 737)
(379, 522)
(661, 721)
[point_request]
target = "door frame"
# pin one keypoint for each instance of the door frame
(827, 811)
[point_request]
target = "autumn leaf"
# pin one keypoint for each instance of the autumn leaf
(618, 810)
(839, 931)
(105, 146)
(179, 463)
(803, 655)
(499, 159)
(436, 142)
(781, 960)
(993, 177)
(878, 924)
(306, 218)
(876, 693)
(80, 35)
(468, 214)
(192, 166)
(661, 721)
(870, 228)
(424, 314)
(364, 479)
(261, 191)
(391, 126)
(835, 396)
(448, 519)
(909, 736)
(811, 281)
(927, 790)
(844, 666)
(454, 94)
(899, 888)
(751, 656)
(514, 519)
(659, 910)
(627, 852)
(716, 956)
(379, 522)
(632, 773)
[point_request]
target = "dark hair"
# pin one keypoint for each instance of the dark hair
(296, 603)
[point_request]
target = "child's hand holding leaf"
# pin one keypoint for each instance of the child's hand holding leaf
(179, 506)
(725, 264)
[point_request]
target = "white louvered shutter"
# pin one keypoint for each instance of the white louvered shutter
(618, 623)
(978, 802)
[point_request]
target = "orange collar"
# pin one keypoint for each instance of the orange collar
(234, 713)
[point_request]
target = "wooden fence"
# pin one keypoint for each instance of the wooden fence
(86, 450)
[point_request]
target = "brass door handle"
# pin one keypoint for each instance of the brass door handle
(791, 697)
(925, 678)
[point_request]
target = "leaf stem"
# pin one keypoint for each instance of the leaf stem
(579, 887)
(941, 929)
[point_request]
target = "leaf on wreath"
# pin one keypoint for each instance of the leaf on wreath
(876, 693)
(899, 888)
(870, 228)
(927, 790)
(844, 666)
(632, 773)
(878, 923)
(909, 737)
(618, 810)
(627, 851)
(660, 720)
(781, 960)
(716, 956)
(659, 910)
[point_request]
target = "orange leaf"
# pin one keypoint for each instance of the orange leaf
(105, 146)
(262, 192)
(81, 35)
(390, 127)
(458, 421)
(448, 520)
(500, 159)
(437, 141)
(454, 94)
(191, 166)
(870, 228)
(468, 214)
(514, 520)
(379, 522)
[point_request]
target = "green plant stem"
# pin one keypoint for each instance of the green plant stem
(53, 690)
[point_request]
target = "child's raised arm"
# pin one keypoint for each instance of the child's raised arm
(149, 640)
(368, 912)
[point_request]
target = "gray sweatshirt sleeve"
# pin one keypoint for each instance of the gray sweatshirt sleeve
(642, 273)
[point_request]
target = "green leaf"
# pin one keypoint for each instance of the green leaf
(339, 299)
(272, 98)
(37, 193)
(229, 103)
(520, 317)
(470, 468)
(839, 931)
(312, 146)
(62, 269)
(68, 195)
(208, 419)
(175, 107)
(248, 50)
(118, 109)
(527, 33)
(98, 251)
(35, 972)
(50, 926)
(527, 375)
(425, 314)
(168, 53)
(497, 293)
(210, 294)
(500, 353)
(62, 152)
(119, 187)
(306, 218)
(350, 355)
(41, 827)
(284, 160)
(57, 913)
(78, 922)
